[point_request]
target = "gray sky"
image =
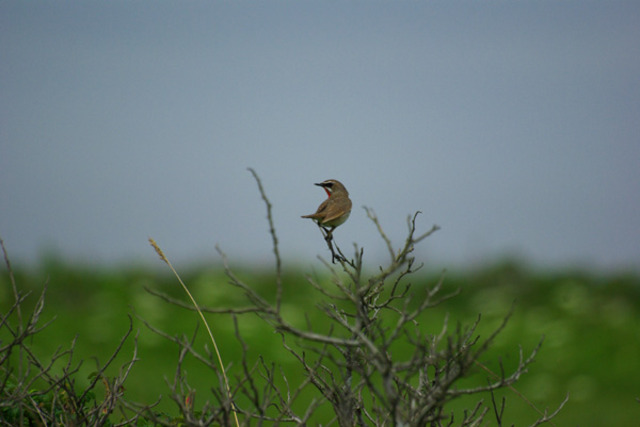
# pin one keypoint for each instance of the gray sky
(515, 126)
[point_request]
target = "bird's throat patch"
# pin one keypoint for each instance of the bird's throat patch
(328, 192)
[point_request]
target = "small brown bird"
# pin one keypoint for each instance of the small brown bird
(335, 210)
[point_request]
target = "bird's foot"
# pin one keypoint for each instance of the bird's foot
(339, 258)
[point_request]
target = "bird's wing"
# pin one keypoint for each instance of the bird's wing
(336, 209)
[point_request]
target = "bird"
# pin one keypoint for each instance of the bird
(335, 210)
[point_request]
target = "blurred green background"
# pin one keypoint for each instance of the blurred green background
(590, 323)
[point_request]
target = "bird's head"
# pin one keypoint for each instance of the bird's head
(332, 186)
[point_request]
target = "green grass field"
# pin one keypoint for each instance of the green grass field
(590, 324)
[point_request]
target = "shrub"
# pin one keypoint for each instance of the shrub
(369, 362)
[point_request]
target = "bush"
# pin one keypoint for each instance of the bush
(370, 362)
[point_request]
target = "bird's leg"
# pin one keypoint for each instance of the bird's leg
(328, 234)
(328, 237)
(324, 231)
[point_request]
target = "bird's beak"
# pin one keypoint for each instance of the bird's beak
(319, 184)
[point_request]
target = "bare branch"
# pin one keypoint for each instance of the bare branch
(274, 238)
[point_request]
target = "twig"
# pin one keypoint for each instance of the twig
(274, 238)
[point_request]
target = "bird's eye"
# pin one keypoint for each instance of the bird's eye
(329, 184)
